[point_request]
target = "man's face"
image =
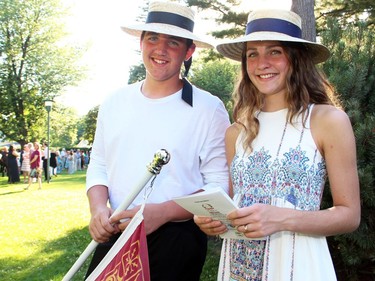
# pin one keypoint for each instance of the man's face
(164, 54)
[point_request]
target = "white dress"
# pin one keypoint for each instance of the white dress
(284, 169)
(25, 167)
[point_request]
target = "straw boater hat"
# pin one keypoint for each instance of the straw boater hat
(168, 18)
(273, 25)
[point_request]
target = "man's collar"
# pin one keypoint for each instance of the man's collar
(187, 92)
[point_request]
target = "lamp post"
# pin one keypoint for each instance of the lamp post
(48, 106)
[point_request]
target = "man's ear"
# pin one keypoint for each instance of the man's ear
(190, 52)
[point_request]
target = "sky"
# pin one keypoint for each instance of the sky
(111, 51)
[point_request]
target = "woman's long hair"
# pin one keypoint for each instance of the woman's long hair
(306, 84)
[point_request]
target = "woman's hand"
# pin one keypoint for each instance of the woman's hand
(258, 220)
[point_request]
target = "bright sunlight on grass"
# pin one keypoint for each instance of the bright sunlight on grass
(43, 232)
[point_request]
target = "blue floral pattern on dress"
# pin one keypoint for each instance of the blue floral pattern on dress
(295, 176)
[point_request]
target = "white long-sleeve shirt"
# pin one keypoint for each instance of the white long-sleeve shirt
(131, 128)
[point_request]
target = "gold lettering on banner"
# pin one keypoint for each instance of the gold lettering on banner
(129, 267)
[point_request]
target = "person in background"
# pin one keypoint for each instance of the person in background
(45, 153)
(289, 135)
(53, 163)
(25, 165)
(63, 156)
(4, 161)
(36, 166)
(59, 167)
(13, 169)
(164, 111)
(82, 160)
(70, 162)
(77, 156)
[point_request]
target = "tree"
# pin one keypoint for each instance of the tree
(35, 64)
(64, 127)
(224, 15)
(137, 73)
(216, 77)
(89, 124)
(351, 69)
(305, 9)
(347, 10)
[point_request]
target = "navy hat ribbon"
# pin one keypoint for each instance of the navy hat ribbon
(274, 25)
(170, 18)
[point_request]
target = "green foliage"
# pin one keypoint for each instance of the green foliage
(352, 70)
(209, 271)
(53, 233)
(64, 125)
(347, 10)
(36, 64)
(216, 77)
(89, 124)
(137, 73)
(225, 15)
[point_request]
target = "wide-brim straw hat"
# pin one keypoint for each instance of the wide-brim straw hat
(273, 25)
(168, 18)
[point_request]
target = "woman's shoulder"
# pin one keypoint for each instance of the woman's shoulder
(329, 115)
(329, 124)
(233, 132)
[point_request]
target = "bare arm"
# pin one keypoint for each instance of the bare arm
(333, 134)
(100, 227)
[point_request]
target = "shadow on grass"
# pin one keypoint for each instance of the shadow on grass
(58, 257)
(12, 192)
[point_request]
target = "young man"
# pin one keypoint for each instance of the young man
(162, 112)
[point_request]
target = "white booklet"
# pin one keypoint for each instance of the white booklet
(214, 203)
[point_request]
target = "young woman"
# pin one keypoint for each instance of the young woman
(13, 167)
(288, 137)
(25, 166)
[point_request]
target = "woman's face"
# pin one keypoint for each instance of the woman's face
(267, 67)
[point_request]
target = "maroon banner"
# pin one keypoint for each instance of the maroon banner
(131, 261)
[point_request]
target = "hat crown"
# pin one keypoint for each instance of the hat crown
(172, 8)
(279, 21)
(273, 25)
(168, 18)
(285, 15)
(171, 14)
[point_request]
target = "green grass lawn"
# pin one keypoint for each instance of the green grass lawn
(43, 232)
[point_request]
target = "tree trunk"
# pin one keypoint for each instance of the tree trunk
(305, 9)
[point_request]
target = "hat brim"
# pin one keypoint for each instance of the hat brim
(136, 30)
(233, 49)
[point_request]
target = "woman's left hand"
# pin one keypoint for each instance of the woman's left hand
(258, 220)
